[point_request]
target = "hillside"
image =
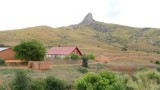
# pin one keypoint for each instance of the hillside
(88, 34)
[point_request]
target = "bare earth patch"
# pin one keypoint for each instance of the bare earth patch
(1, 81)
(103, 59)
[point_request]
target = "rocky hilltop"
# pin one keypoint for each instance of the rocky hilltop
(88, 19)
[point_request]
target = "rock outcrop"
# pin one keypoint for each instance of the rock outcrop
(88, 19)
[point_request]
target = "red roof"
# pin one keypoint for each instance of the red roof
(62, 50)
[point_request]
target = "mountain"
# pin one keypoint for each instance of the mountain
(89, 34)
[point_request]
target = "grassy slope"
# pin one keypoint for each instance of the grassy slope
(64, 36)
(145, 39)
(88, 37)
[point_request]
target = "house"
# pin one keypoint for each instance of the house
(7, 53)
(61, 52)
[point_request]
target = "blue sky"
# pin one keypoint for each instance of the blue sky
(16, 14)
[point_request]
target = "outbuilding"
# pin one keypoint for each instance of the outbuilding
(7, 53)
(62, 52)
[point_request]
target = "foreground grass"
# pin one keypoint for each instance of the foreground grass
(70, 73)
(66, 73)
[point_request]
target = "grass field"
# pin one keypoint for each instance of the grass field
(69, 72)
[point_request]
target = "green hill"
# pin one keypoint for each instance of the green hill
(89, 35)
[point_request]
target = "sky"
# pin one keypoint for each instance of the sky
(15, 14)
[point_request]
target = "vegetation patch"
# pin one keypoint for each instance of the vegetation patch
(144, 80)
(74, 56)
(52, 83)
(91, 56)
(85, 61)
(13, 70)
(101, 81)
(30, 50)
(83, 70)
(2, 61)
(158, 69)
(157, 62)
(21, 81)
(38, 84)
(142, 68)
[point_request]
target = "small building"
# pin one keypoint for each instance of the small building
(61, 52)
(7, 53)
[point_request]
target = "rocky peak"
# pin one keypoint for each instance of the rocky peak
(88, 19)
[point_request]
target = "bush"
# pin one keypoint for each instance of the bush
(142, 68)
(158, 69)
(74, 56)
(101, 81)
(157, 62)
(85, 61)
(66, 57)
(53, 83)
(21, 81)
(124, 48)
(2, 61)
(91, 56)
(144, 80)
(38, 84)
(83, 70)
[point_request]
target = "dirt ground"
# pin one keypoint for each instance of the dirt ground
(1, 82)
(128, 64)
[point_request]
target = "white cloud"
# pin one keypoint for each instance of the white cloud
(26, 13)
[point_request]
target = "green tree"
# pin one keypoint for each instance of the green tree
(30, 50)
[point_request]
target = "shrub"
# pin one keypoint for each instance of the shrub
(91, 56)
(53, 83)
(144, 80)
(142, 68)
(38, 84)
(158, 69)
(2, 61)
(83, 70)
(66, 57)
(157, 62)
(124, 49)
(21, 81)
(101, 81)
(74, 56)
(85, 61)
